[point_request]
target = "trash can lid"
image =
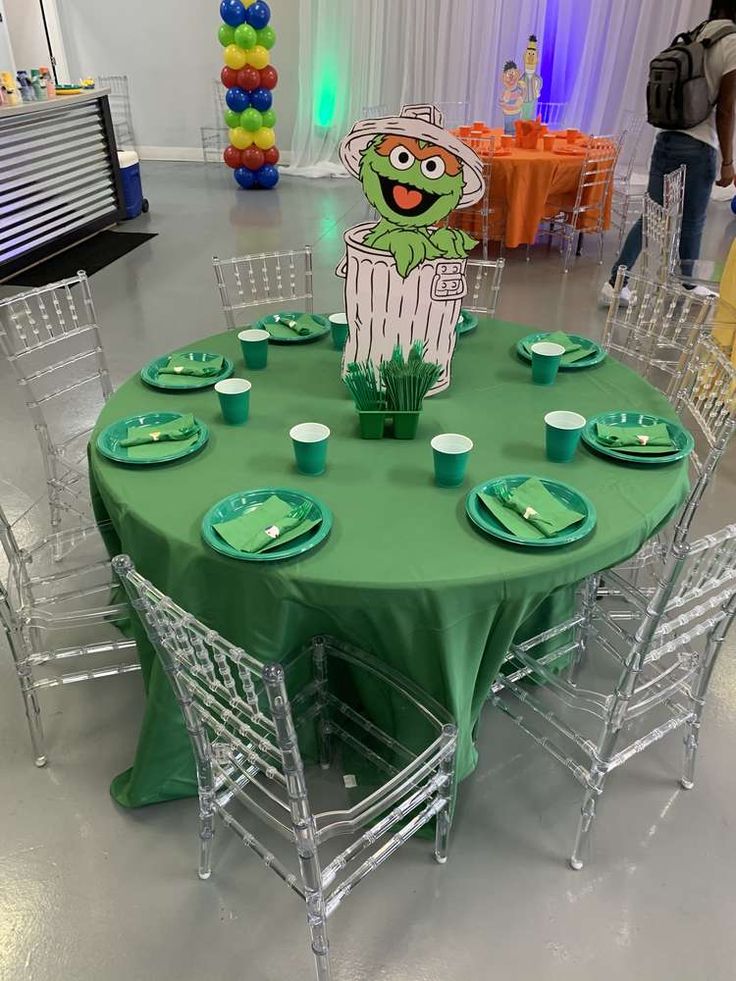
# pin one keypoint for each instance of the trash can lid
(127, 158)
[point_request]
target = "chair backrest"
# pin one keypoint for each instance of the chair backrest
(661, 229)
(552, 114)
(218, 104)
(657, 331)
(632, 127)
(596, 179)
(454, 114)
(379, 111)
(51, 339)
(262, 280)
(120, 111)
(484, 285)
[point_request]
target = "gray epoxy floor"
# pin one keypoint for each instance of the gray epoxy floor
(91, 892)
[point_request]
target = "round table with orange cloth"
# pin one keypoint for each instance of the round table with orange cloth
(527, 186)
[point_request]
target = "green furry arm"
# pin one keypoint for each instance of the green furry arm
(453, 243)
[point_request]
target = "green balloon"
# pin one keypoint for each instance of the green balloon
(232, 119)
(251, 120)
(245, 36)
(269, 118)
(226, 35)
(266, 37)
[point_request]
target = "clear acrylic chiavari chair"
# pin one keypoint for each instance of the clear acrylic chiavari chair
(250, 724)
(588, 214)
(629, 186)
(264, 279)
(552, 114)
(215, 136)
(60, 617)
(454, 114)
(661, 230)
(52, 341)
(484, 286)
(120, 111)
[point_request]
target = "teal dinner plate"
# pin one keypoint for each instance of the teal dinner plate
(288, 337)
(184, 383)
(236, 504)
(597, 354)
(682, 439)
(108, 441)
(483, 519)
(467, 321)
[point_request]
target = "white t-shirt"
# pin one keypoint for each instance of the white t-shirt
(719, 61)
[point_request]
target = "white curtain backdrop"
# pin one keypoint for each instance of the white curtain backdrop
(358, 53)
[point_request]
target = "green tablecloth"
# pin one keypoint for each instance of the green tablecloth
(403, 574)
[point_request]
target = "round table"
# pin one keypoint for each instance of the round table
(527, 186)
(403, 574)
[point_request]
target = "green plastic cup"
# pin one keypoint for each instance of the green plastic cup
(310, 447)
(562, 432)
(340, 330)
(546, 360)
(254, 343)
(451, 453)
(234, 396)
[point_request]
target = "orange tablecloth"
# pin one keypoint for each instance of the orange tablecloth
(527, 186)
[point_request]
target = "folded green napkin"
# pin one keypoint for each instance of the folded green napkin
(573, 351)
(153, 442)
(292, 324)
(530, 511)
(255, 531)
(182, 364)
(637, 440)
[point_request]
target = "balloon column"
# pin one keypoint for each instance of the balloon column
(247, 37)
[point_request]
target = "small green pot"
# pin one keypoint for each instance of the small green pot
(405, 424)
(371, 424)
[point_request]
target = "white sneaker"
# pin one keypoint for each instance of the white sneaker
(703, 293)
(608, 293)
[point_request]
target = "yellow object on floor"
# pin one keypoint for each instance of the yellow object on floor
(724, 322)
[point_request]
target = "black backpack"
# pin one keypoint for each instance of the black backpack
(677, 93)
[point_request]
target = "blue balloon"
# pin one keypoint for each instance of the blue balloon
(237, 99)
(733, 205)
(245, 177)
(261, 99)
(232, 12)
(267, 176)
(258, 14)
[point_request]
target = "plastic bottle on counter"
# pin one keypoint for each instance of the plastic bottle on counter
(11, 89)
(39, 89)
(26, 89)
(48, 81)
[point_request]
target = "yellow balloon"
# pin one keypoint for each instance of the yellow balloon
(264, 138)
(241, 138)
(235, 57)
(258, 57)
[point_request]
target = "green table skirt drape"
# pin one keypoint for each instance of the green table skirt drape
(403, 574)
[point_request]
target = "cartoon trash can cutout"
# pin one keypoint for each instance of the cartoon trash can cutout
(404, 275)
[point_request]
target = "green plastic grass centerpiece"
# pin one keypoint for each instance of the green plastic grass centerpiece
(396, 390)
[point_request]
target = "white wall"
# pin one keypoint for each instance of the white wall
(7, 64)
(170, 53)
(27, 36)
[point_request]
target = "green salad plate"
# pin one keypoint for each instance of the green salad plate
(177, 383)
(109, 440)
(597, 354)
(683, 440)
(281, 333)
(466, 322)
(244, 501)
(487, 522)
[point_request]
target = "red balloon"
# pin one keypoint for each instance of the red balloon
(249, 78)
(229, 77)
(233, 157)
(269, 77)
(271, 156)
(253, 158)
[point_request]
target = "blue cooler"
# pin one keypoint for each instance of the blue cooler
(130, 174)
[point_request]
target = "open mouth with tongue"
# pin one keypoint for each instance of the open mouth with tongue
(406, 199)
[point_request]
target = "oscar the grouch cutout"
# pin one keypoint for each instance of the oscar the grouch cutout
(405, 273)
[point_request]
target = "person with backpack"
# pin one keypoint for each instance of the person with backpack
(691, 98)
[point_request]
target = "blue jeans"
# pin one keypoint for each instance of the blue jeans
(671, 151)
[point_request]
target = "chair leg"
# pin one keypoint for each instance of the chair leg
(587, 816)
(206, 832)
(687, 780)
(590, 592)
(444, 818)
(317, 922)
(33, 715)
(319, 661)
